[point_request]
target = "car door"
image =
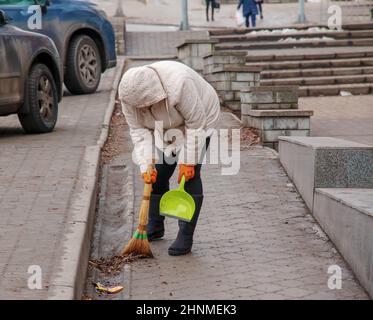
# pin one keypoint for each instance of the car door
(18, 11)
(30, 17)
(10, 72)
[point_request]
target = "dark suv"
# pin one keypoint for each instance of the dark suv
(30, 77)
(83, 36)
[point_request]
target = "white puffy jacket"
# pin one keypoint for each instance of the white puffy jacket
(170, 92)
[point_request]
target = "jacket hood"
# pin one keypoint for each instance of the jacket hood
(141, 87)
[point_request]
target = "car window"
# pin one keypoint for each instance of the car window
(16, 2)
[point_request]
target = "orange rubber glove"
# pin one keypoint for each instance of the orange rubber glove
(187, 171)
(152, 178)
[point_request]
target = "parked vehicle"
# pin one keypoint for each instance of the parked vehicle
(83, 36)
(30, 77)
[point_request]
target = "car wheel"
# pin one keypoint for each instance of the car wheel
(42, 101)
(83, 66)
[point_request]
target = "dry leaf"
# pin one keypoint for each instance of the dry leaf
(110, 290)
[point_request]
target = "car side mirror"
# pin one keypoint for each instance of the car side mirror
(3, 18)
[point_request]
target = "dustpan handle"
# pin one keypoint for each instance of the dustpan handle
(182, 183)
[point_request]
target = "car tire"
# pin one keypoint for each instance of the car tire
(83, 66)
(41, 99)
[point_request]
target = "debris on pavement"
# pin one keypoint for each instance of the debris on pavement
(114, 144)
(249, 137)
(95, 265)
(290, 185)
(113, 265)
(110, 290)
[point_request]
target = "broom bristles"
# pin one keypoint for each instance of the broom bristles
(139, 244)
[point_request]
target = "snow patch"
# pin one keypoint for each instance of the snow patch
(291, 39)
(292, 30)
(345, 93)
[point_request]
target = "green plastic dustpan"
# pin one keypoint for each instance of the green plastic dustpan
(178, 203)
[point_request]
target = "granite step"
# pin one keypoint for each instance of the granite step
(297, 56)
(315, 81)
(316, 72)
(230, 31)
(346, 215)
(358, 26)
(312, 64)
(335, 90)
(294, 44)
(255, 36)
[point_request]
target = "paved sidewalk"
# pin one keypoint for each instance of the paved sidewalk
(349, 118)
(255, 240)
(158, 44)
(38, 184)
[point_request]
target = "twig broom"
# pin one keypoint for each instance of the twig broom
(139, 244)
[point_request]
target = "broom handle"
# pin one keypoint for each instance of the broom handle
(144, 208)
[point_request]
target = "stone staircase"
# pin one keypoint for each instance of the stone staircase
(264, 85)
(320, 61)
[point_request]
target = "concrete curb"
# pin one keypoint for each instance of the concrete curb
(67, 281)
(109, 111)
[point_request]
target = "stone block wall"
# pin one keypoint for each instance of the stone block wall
(269, 98)
(227, 73)
(191, 52)
(222, 59)
(119, 25)
(274, 112)
(228, 81)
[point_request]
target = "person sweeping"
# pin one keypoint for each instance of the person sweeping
(176, 96)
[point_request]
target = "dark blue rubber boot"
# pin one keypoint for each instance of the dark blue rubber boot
(155, 227)
(184, 240)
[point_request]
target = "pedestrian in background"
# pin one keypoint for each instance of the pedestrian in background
(208, 3)
(260, 7)
(249, 11)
